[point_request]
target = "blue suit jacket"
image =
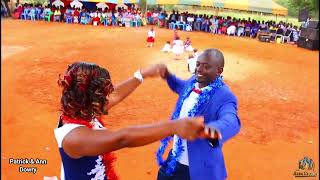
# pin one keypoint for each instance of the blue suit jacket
(206, 162)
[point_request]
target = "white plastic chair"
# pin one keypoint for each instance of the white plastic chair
(286, 36)
(231, 30)
(188, 27)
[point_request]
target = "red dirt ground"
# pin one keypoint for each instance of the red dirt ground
(276, 86)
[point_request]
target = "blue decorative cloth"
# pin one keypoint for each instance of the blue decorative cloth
(202, 100)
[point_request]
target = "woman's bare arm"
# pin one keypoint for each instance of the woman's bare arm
(83, 141)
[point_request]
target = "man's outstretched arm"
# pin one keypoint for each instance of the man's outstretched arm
(125, 88)
(228, 123)
(176, 84)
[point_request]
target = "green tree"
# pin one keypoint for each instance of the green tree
(311, 5)
(294, 6)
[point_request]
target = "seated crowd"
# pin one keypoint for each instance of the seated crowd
(119, 17)
(223, 25)
(183, 21)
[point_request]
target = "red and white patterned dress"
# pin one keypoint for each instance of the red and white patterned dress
(151, 36)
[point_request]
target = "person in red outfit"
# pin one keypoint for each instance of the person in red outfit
(151, 37)
(76, 15)
(17, 12)
(96, 18)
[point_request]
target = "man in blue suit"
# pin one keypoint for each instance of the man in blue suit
(204, 94)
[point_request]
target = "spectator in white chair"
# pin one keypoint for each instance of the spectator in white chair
(95, 18)
(68, 13)
(188, 28)
(190, 20)
(116, 17)
(57, 14)
(205, 24)
(76, 14)
(181, 21)
(109, 17)
(295, 35)
(231, 29)
(240, 31)
(137, 18)
(212, 24)
(32, 13)
(155, 15)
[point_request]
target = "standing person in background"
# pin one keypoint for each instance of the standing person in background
(295, 35)
(177, 48)
(306, 23)
(151, 37)
(175, 34)
(187, 45)
(149, 18)
(5, 7)
(172, 18)
(192, 61)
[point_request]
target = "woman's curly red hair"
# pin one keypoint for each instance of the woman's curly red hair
(85, 87)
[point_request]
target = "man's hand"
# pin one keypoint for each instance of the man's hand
(163, 70)
(151, 71)
(190, 128)
(154, 71)
(211, 133)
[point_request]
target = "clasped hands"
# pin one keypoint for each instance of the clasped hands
(191, 128)
(155, 70)
(194, 127)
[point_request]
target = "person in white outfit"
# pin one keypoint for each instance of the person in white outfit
(178, 47)
(187, 45)
(192, 61)
(231, 30)
(167, 47)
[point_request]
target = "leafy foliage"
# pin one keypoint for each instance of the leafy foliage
(294, 6)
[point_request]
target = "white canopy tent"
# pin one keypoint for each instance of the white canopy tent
(76, 4)
(58, 3)
(102, 5)
(122, 6)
